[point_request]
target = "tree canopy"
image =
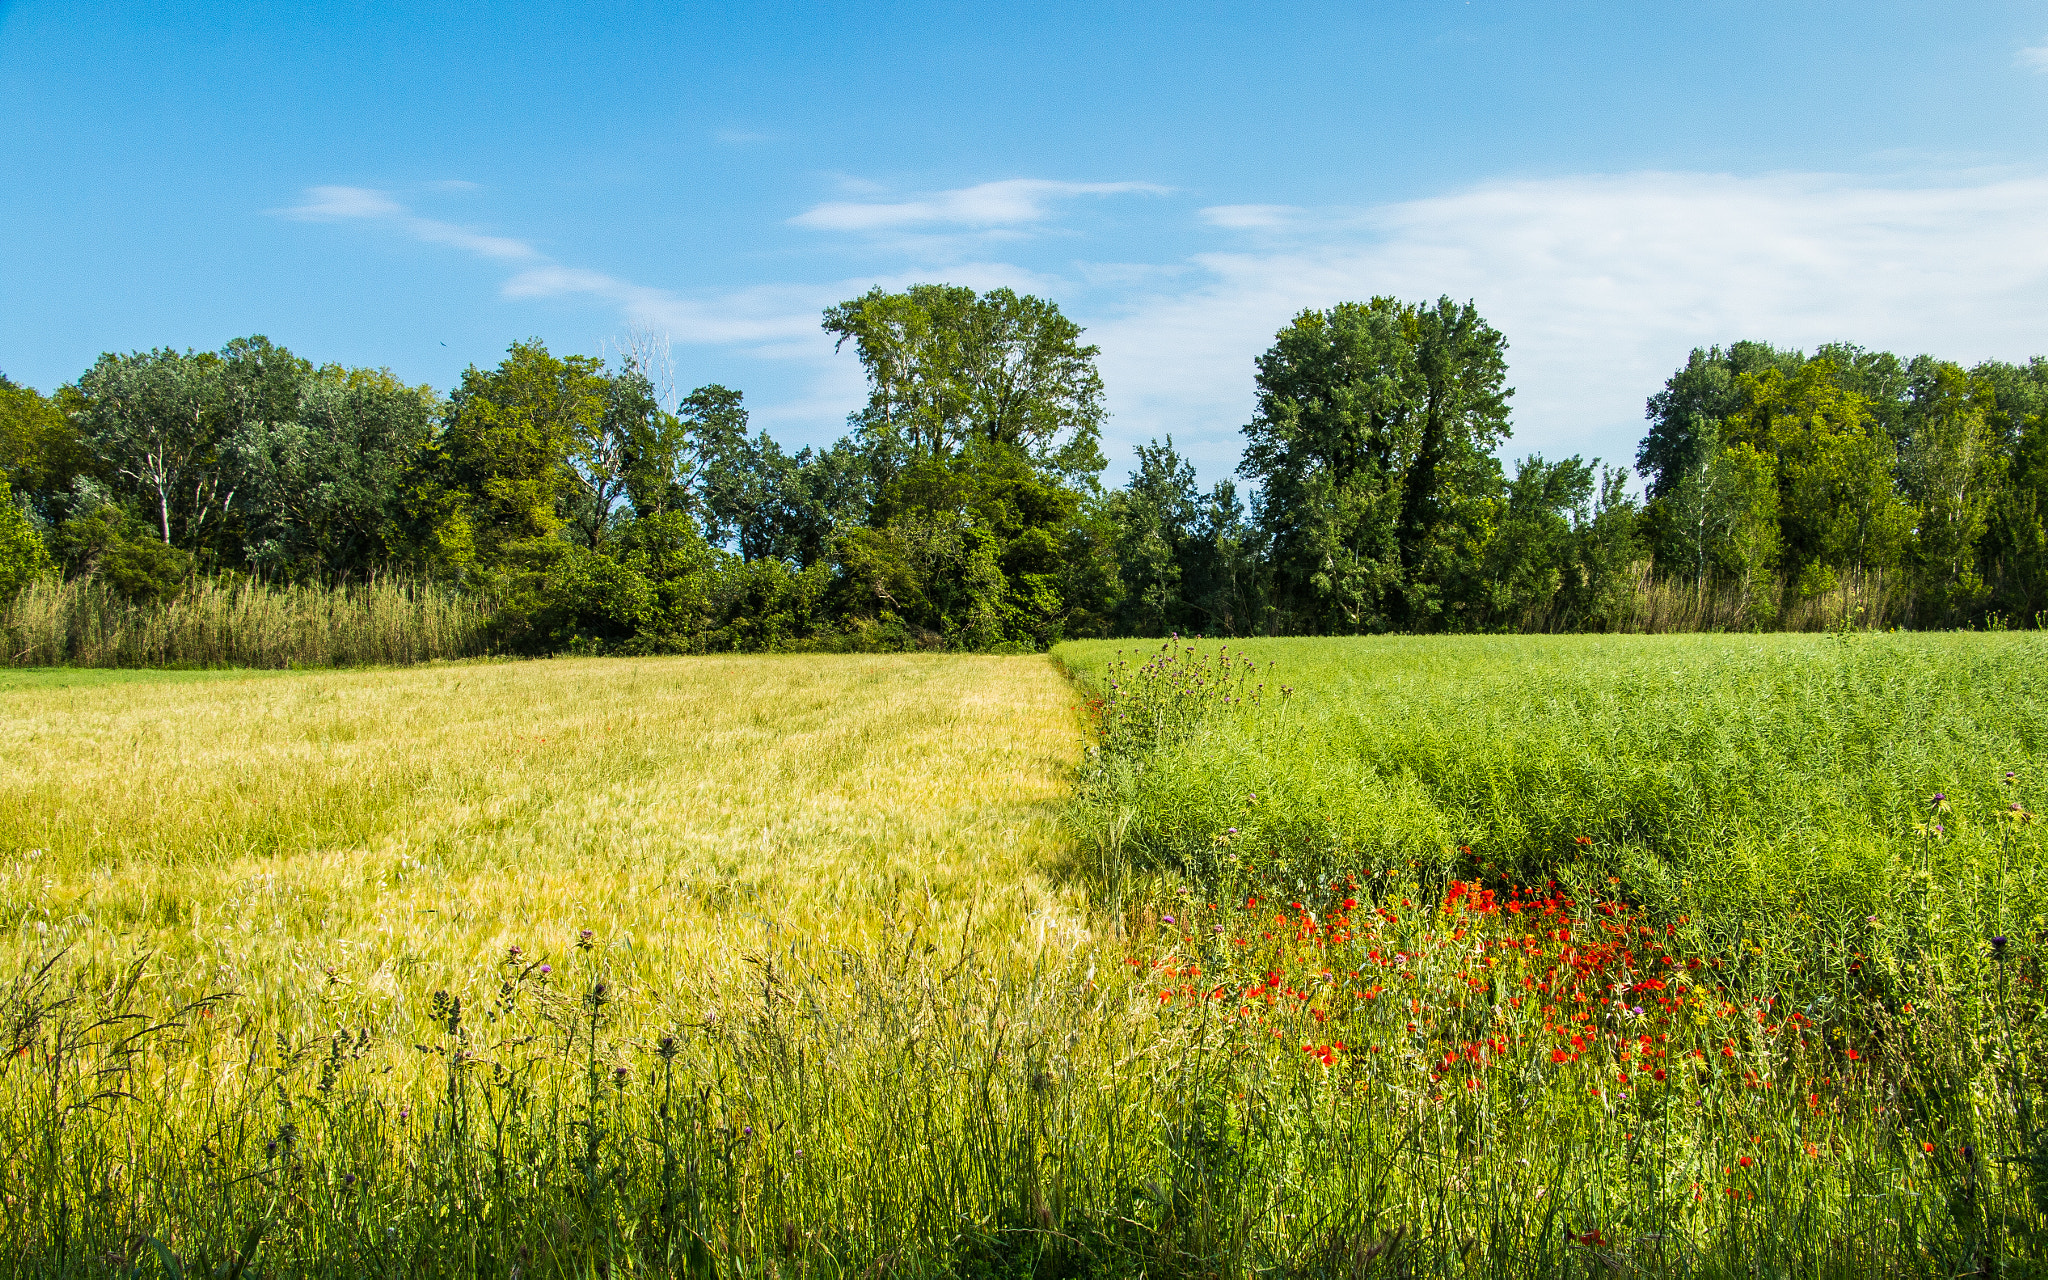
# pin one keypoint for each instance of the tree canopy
(598, 510)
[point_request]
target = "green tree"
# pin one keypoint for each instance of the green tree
(1839, 505)
(1747, 486)
(615, 453)
(1155, 517)
(23, 557)
(2015, 544)
(945, 366)
(320, 495)
(40, 452)
(1683, 438)
(1373, 449)
(168, 429)
(507, 443)
(980, 447)
(1949, 472)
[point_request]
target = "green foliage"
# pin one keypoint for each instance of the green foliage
(40, 452)
(980, 441)
(1740, 780)
(114, 547)
(946, 366)
(321, 495)
(506, 443)
(167, 431)
(23, 557)
(963, 509)
(1372, 446)
(1917, 474)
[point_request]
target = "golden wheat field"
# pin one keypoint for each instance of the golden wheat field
(348, 837)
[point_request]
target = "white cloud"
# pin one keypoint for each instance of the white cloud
(991, 204)
(1601, 284)
(334, 204)
(345, 204)
(1246, 216)
(2034, 59)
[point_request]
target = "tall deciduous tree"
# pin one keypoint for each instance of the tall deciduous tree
(509, 439)
(1373, 448)
(167, 426)
(945, 365)
(1949, 473)
(322, 494)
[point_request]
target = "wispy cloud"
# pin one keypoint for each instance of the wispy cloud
(1602, 284)
(2034, 58)
(1009, 203)
(1245, 216)
(365, 204)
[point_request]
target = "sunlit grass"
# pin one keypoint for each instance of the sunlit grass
(406, 826)
(817, 965)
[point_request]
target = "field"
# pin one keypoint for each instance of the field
(1401, 957)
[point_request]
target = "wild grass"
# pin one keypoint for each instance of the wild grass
(223, 622)
(1838, 826)
(812, 966)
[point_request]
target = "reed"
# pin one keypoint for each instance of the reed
(238, 622)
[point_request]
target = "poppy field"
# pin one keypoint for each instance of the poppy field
(1492, 957)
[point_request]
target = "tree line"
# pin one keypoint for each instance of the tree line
(597, 511)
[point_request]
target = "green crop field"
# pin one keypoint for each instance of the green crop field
(1445, 957)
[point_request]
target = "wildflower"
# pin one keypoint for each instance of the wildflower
(1166, 919)
(585, 939)
(1658, 1075)
(545, 970)
(1854, 1056)
(1745, 1162)
(1998, 947)
(1582, 841)
(1927, 1148)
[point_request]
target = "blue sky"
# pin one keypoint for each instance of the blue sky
(1611, 183)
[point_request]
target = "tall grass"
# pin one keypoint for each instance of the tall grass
(784, 967)
(239, 622)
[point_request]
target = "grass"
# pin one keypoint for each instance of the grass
(821, 966)
(237, 622)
